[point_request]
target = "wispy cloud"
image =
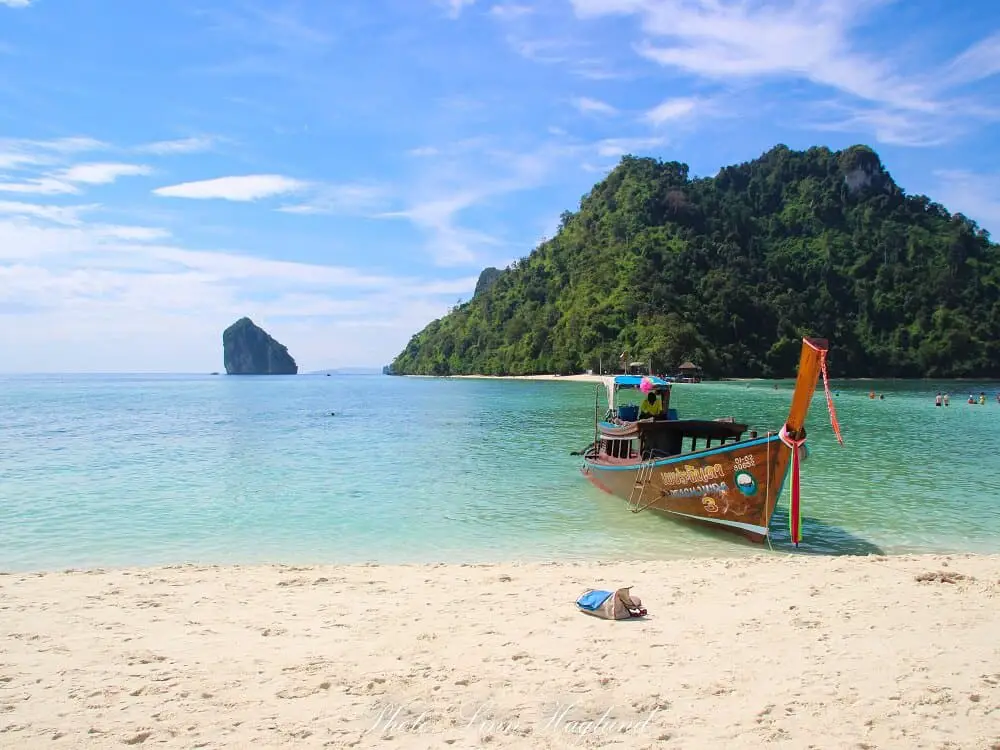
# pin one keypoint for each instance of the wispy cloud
(586, 105)
(66, 180)
(449, 243)
(191, 145)
(66, 215)
(281, 27)
(342, 199)
(979, 61)
(726, 40)
(234, 188)
(670, 110)
(20, 152)
(454, 8)
(890, 126)
(102, 173)
(509, 11)
(616, 147)
(16, 3)
(38, 186)
(421, 151)
(83, 278)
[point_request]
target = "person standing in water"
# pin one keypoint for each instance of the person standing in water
(937, 399)
(945, 399)
(982, 398)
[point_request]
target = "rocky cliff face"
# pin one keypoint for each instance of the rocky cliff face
(486, 280)
(249, 350)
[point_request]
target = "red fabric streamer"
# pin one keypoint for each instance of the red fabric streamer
(829, 399)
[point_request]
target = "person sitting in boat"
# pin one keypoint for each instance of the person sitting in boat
(651, 407)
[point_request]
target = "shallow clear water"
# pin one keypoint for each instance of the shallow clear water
(136, 470)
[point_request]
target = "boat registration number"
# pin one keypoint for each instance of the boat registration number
(744, 462)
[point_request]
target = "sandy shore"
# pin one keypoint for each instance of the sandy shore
(777, 651)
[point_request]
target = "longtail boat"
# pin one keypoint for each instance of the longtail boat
(714, 471)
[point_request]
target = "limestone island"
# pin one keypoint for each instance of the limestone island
(250, 350)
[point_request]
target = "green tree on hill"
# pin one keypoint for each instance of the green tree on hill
(730, 272)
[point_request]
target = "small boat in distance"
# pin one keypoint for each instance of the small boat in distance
(716, 470)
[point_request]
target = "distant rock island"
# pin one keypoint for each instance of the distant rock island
(250, 350)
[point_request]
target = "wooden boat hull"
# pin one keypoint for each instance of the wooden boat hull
(733, 486)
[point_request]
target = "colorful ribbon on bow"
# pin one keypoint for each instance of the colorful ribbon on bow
(829, 398)
(794, 503)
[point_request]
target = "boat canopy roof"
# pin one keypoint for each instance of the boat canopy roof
(634, 381)
(615, 383)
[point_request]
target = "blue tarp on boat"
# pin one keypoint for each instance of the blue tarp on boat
(634, 381)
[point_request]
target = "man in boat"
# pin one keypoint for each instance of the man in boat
(651, 407)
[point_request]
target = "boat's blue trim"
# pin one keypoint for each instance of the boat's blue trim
(689, 456)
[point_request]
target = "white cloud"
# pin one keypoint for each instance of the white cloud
(509, 11)
(67, 215)
(39, 186)
(723, 41)
(422, 151)
(449, 244)
(191, 145)
(101, 173)
(670, 110)
(720, 39)
(129, 233)
(615, 147)
(236, 188)
(435, 202)
(979, 61)
(16, 153)
(16, 3)
(586, 105)
(94, 297)
(67, 180)
(454, 8)
(342, 199)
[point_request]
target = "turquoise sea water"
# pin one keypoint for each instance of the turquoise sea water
(137, 470)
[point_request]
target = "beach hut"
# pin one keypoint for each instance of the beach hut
(689, 373)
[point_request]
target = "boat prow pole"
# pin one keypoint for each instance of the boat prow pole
(793, 434)
(810, 363)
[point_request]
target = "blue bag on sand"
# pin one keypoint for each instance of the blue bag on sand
(592, 599)
(620, 605)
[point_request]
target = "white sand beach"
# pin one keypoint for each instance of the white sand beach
(787, 652)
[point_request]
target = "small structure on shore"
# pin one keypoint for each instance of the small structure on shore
(689, 372)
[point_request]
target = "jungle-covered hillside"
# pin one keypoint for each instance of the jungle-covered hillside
(730, 271)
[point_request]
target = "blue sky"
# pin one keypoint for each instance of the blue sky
(341, 171)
